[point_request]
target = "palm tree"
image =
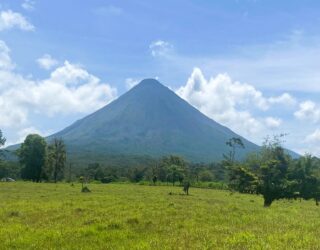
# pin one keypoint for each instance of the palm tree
(57, 157)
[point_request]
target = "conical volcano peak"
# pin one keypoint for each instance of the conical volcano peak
(149, 87)
(150, 83)
(149, 120)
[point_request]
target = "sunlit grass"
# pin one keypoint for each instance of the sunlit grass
(124, 216)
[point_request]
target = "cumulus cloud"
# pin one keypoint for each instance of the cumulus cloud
(28, 5)
(310, 144)
(130, 82)
(47, 62)
(272, 122)
(308, 110)
(5, 60)
(314, 137)
(70, 89)
(160, 48)
(230, 102)
(22, 134)
(285, 99)
(10, 20)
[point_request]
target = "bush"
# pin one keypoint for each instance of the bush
(96, 182)
(108, 179)
(206, 176)
(211, 185)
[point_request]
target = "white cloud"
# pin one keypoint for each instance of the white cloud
(47, 62)
(28, 5)
(5, 60)
(285, 99)
(130, 83)
(10, 20)
(311, 144)
(160, 48)
(22, 134)
(272, 122)
(218, 98)
(308, 110)
(314, 137)
(70, 89)
(230, 102)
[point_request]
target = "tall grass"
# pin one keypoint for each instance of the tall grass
(127, 216)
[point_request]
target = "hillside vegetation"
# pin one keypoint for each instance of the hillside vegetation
(131, 216)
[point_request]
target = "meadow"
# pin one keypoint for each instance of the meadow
(130, 216)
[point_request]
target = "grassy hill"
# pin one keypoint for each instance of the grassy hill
(127, 216)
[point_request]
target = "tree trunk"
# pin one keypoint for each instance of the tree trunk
(267, 201)
(55, 177)
(317, 202)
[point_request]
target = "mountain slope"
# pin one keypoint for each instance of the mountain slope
(148, 120)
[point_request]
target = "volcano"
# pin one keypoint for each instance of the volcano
(149, 120)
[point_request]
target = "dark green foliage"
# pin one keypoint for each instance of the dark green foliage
(266, 175)
(172, 169)
(242, 180)
(2, 139)
(56, 159)
(154, 179)
(10, 169)
(206, 176)
(273, 183)
(136, 174)
(175, 173)
(32, 155)
(108, 179)
(94, 171)
(305, 175)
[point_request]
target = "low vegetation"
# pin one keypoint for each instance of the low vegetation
(129, 216)
(177, 205)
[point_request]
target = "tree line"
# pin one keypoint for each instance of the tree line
(271, 172)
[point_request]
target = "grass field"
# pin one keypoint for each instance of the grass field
(124, 216)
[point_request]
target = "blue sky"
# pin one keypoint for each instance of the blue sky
(252, 65)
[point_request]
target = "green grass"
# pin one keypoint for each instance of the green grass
(125, 216)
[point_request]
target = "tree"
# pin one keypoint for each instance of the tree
(172, 168)
(273, 172)
(136, 174)
(57, 157)
(93, 171)
(305, 174)
(154, 180)
(234, 143)
(32, 156)
(242, 180)
(268, 175)
(175, 173)
(186, 186)
(2, 139)
(196, 170)
(2, 142)
(273, 183)
(206, 175)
